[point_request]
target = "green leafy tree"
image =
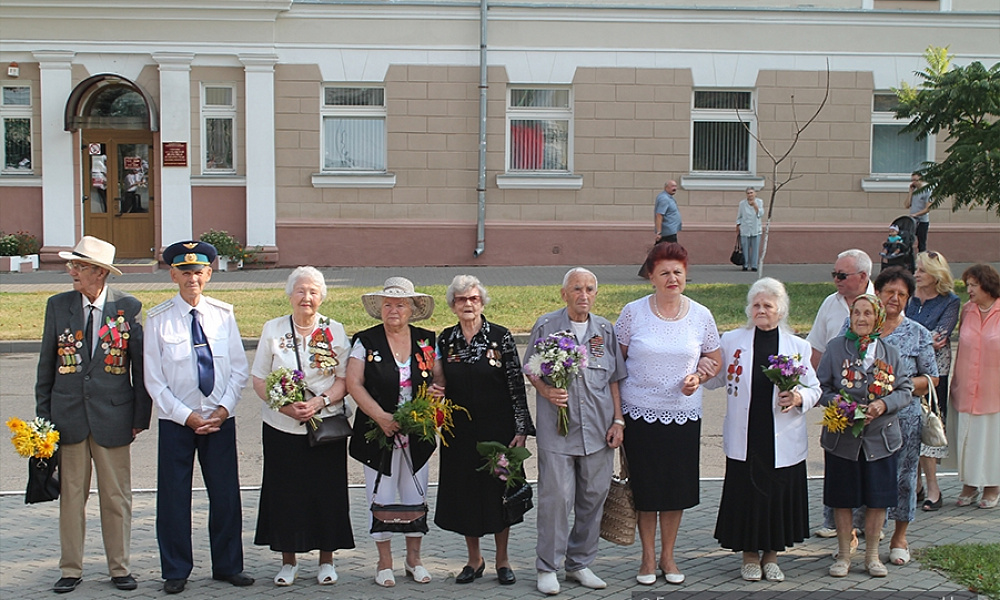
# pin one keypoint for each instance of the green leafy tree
(965, 101)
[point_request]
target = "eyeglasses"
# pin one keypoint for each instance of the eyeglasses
(470, 299)
(78, 266)
(932, 255)
(842, 276)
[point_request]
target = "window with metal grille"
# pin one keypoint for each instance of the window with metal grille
(15, 116)
(539, 130)
(720, 142)
(354, 137)
(894, 152)
(218, 128)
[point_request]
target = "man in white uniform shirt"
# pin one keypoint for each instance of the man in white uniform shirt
(195, 370)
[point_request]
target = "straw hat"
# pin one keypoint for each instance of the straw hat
(398, 287)
(93, 251)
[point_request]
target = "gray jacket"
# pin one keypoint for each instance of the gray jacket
(880, 438)
(103, 396)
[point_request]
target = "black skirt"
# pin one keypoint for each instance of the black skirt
(762, 508)
(663, 463)
(303, 495)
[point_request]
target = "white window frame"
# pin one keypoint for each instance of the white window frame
(366, 112)
(519, 113)
(216, 111)
(16, 111)
(727, 115)
(889, 118)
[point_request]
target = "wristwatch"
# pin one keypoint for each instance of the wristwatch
(326, 400)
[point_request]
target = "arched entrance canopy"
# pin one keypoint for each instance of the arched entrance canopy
(107, 101)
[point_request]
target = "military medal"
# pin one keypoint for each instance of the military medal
(320, 353)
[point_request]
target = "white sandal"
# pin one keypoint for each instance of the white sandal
(385, 578)
(418, 573)
(327, 574)
(286, 576)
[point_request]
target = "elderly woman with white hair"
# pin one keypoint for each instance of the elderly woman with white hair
(765, 504)
(478, 368)
(303, 495)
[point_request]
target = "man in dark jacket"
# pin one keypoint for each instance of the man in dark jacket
(90, 386)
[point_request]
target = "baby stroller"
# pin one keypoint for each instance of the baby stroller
(904, 256)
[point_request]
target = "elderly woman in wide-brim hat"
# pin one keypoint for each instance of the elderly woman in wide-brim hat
(388, 363)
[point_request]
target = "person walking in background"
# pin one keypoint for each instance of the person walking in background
(90, 387)
(574, 470)
(195, 370)
(748, 226)
(919, 202)
(666, 218)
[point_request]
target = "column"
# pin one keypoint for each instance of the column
(58, 175)
(175, 126)
(261, 193)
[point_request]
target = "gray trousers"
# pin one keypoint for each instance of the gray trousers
(571, 483)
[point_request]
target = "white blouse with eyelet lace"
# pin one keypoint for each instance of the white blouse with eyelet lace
(660, 354)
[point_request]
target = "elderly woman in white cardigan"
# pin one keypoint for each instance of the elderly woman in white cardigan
(765, 504)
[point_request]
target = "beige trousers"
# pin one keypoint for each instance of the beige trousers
(114, 489)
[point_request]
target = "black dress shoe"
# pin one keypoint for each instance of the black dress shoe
(174, 586)
(125, 582)
(506, 576)
(240, 579)
(468, 574)
(66, 584)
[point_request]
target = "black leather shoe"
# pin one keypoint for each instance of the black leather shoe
(468, 574)
(506, 576)
(66, 584)
(174, 586)
(240, 579)
(126, 582)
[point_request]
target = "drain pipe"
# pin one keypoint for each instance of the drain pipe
(481, 184)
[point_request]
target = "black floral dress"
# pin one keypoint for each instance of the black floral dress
(483, 376)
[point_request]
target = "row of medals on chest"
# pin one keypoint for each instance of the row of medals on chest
(853, 377)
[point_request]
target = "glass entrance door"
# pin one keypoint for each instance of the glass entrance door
(118, 181)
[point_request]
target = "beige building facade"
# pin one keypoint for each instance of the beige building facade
(349, 133)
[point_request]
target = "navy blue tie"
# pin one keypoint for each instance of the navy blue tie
(206, 368)
(88, 334)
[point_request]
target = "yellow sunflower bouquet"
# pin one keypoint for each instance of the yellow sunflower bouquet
(37, 438)
(425, 416)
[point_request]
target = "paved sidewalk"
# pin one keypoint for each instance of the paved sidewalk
(29, 548)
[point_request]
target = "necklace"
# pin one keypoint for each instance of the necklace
(656, 309)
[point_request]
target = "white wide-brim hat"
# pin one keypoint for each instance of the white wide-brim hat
(94, 251)
(398, 287)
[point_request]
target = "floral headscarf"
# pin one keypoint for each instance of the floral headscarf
(862, 342)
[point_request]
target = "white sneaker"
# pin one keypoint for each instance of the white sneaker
(586, 578)
(548, 583)
(286, 576)
(826, 532)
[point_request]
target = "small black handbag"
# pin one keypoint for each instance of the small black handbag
(43, 479)
(399, 518)
(737, 257)
(516, 503)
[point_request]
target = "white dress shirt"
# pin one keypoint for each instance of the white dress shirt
(171, 366)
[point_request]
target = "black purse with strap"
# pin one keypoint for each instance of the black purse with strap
(737, 257)
(399, 518)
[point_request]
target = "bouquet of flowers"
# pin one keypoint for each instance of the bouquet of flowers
(785, 372)
(36, 438)
(844, 413)
(425, 416)
(559, 359)
(506, 464)
(286, 386)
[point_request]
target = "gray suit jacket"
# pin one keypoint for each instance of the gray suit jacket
(880, 438)
(103, 396)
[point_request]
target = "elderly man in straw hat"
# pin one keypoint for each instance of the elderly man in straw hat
(90, 386)
(389, 362)
(195, 371)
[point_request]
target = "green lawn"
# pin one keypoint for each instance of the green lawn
(976, 566)
(515, 307)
